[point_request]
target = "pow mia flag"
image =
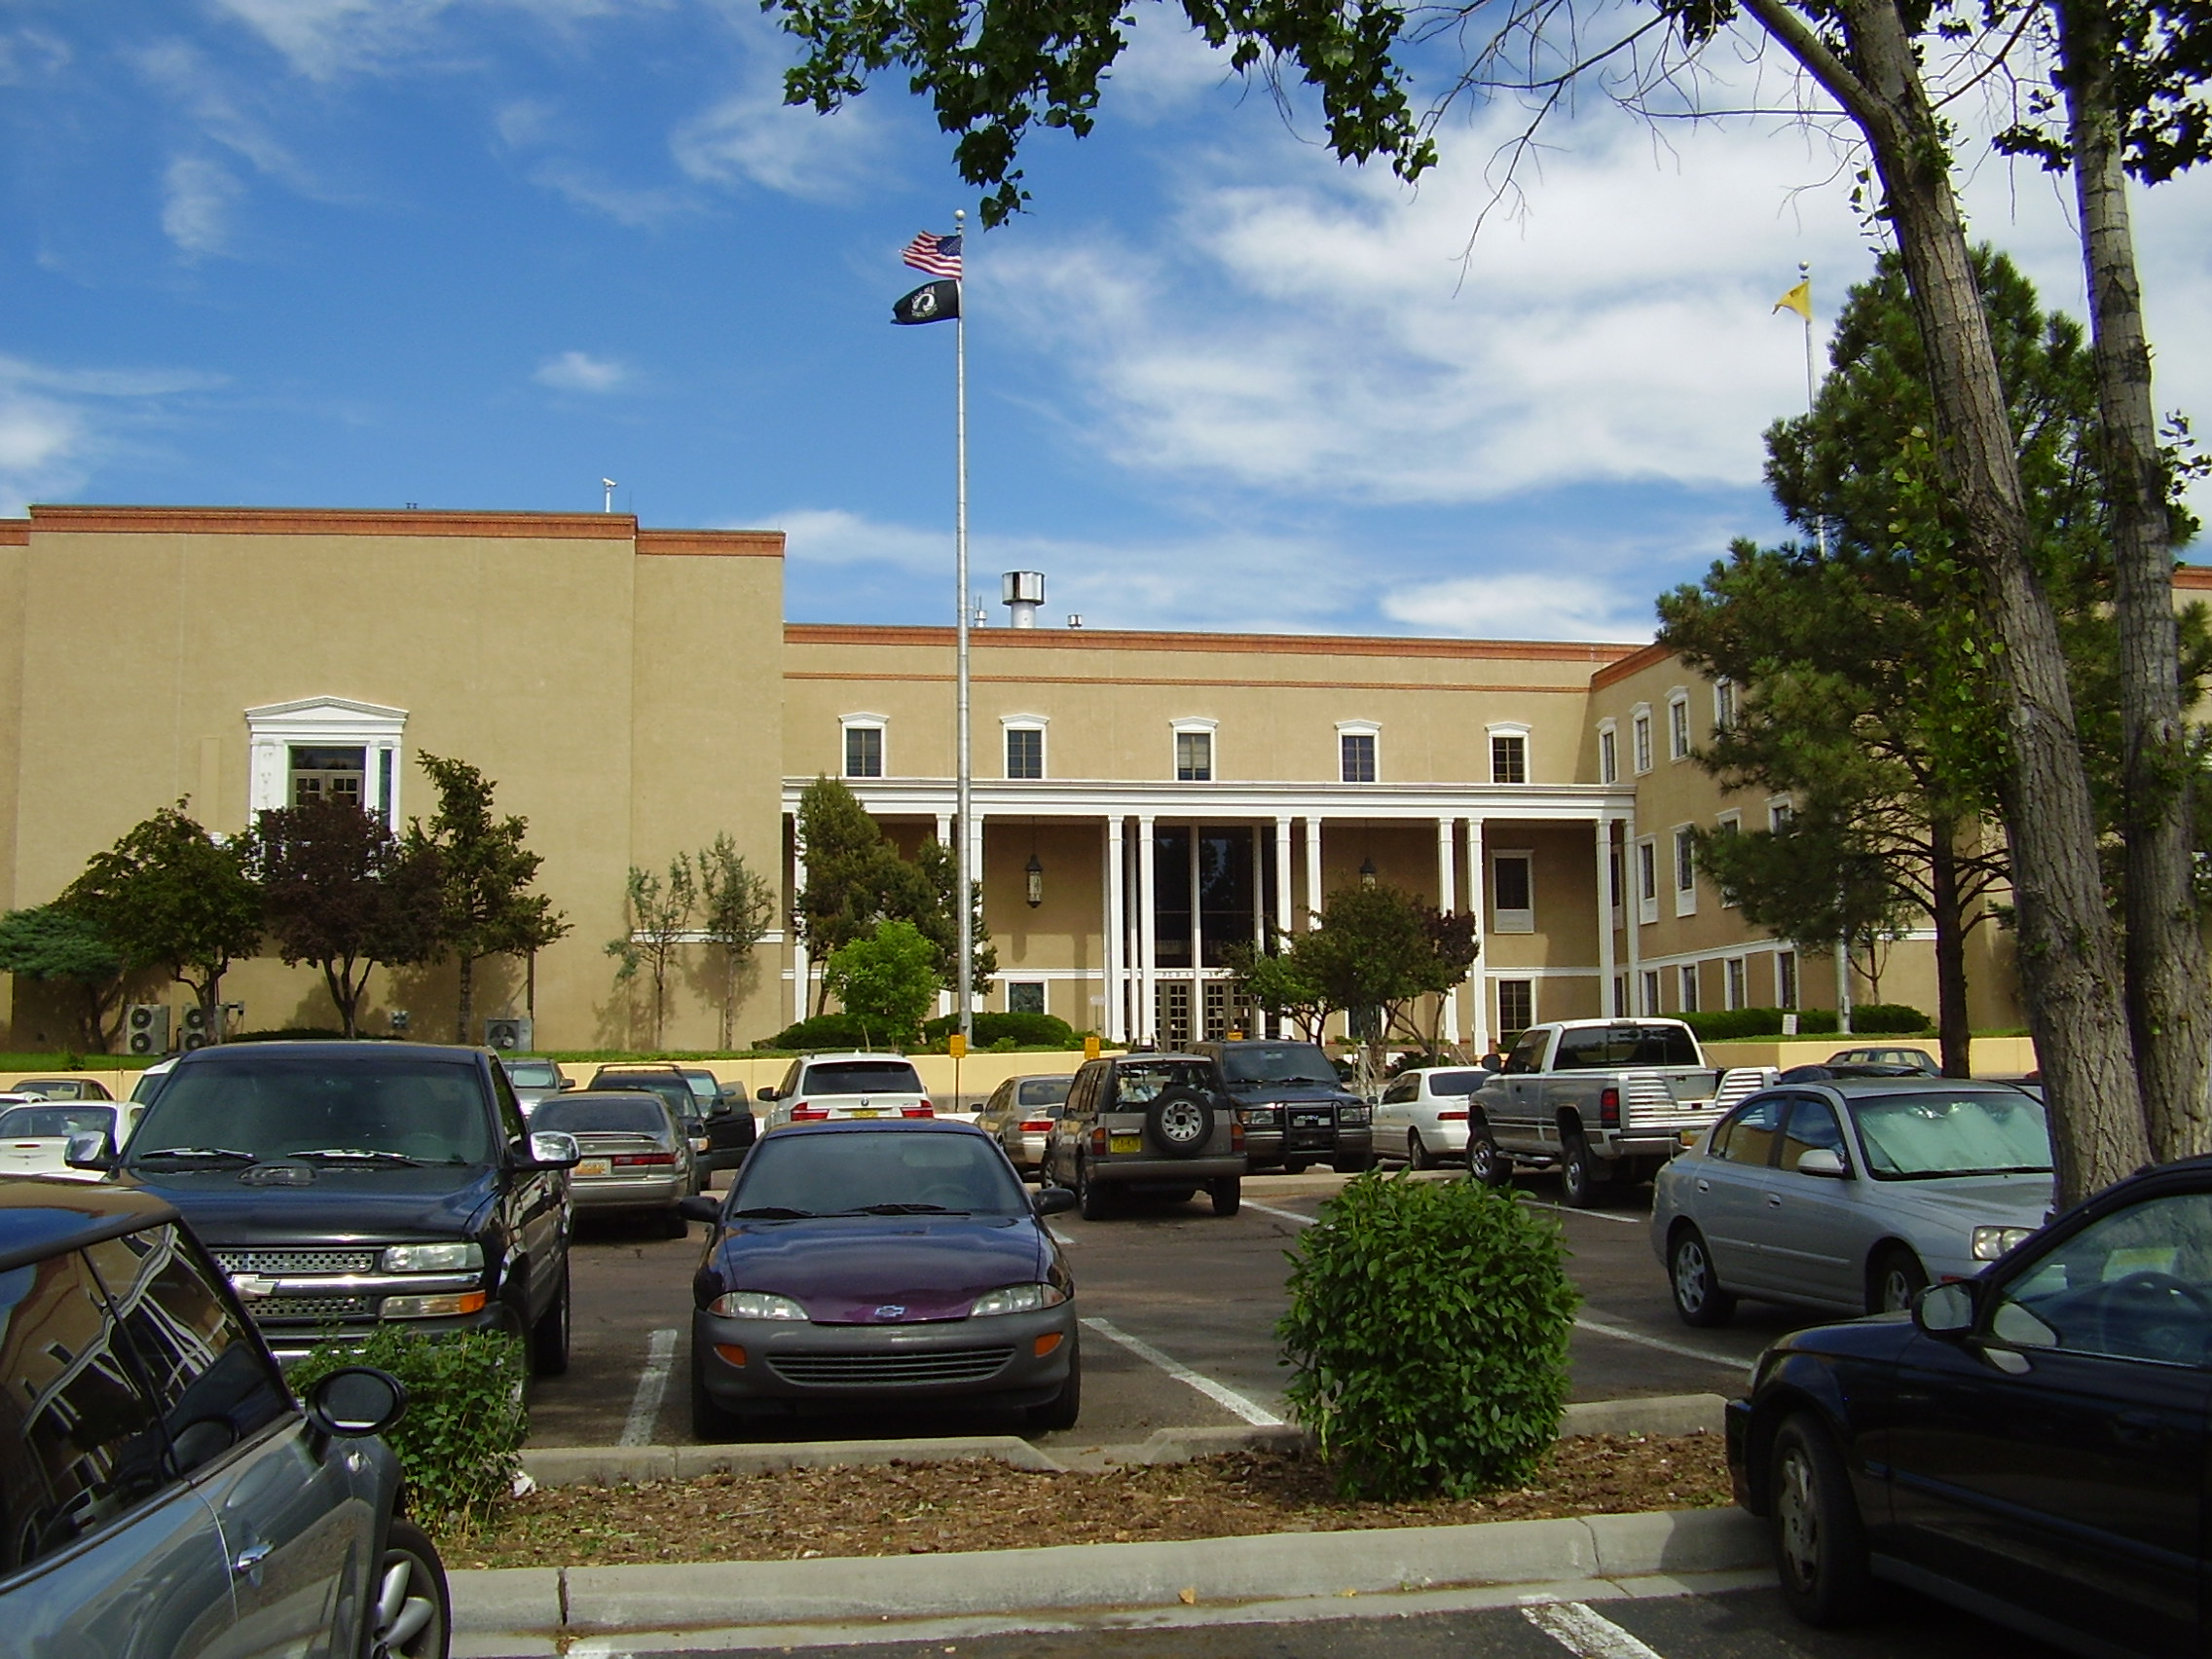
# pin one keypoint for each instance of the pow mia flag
(931, 302)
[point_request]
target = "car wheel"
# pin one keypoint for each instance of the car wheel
(1063, 1409)
(1179, 1123)
(549, 1337)
(673, 1223)
(710, 1421)
(411, 1616)
(1820, 1541)
(1894, 1279)
(1698, 1296)
(1294, 1166)
(1228, 1195)
(1418, 1155)
(1092, 1200)
(1584, 1175)
(1485, 1162)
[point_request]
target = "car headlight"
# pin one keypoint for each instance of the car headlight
(1017, 1299)
(1991, 1242)
(432, 1258)
(1352, 1116)
(1262, 1116)
(755, 1304)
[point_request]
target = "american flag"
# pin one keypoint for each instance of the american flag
(940, 256)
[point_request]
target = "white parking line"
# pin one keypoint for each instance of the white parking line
(1621, 1333)
(1257, 1415)
(1287, 1215)
(1594, 1215)
(652, 1388)
(1585, 1634)
(1059, 1237)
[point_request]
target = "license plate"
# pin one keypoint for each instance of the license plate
(1310, 1120)
(594, 1166)
(863, 1112)
(1126, 1143)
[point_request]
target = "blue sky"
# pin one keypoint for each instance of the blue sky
(481, 253)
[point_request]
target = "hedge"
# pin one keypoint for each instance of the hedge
(1868, 1019)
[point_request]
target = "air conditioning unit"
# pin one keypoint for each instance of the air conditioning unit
(507, 1035)
(148, 1029)
(196, 1032)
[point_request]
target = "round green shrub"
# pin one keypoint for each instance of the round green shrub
(1888, 1019)
(1727, 1024)
(1428, 1327)
(828, 1031)
(1020, 1030)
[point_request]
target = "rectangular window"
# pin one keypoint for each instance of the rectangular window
(1608, 758)
(1729, 823)
(1689, 988)
(1613, 862)
(1780, 815)
(1516, 1007)
(1356, 750)
(1025, 996)
(1509, 760)
(1620, 996)
(863, 752)
(328, 774)
(1685, 861)
(1650, 991)
(1194, 756)
(1646, 881)
(1733, 974)
(1025, 751)
(1723, 704)
(1785, 978)
(1642, 731)
(1513, 900)
(1678, 728)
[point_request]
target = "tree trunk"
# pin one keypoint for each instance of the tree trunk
(467, 1003)
(729, 998)
(338, 979)
(1949, 917)
(2165, 955)
(2068, 960)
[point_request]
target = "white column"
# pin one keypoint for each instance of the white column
(1448, 898)
(798, 939)
(1259, 887)
(1197, 942)
(1112, 1022)
(1606, 1008)
(1282, 874)
(1477, 884)
(944, 829)
(1631, 914)
(1148, 936)
(1312, 870)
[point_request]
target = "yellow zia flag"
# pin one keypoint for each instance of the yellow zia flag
(1799, 300)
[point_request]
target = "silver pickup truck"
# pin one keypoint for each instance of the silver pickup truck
(1602, 1100)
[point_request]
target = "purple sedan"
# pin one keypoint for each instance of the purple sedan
(859, 1263)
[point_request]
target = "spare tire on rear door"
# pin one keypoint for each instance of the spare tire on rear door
(1179, 1123)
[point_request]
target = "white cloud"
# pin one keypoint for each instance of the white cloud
(579, 371)
(196, 198)
(753, 136)
(323, 39)
(57, 425)
(28, 55)
(625, 205)
(1511, 606)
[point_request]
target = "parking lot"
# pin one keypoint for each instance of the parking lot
(1179, 1311)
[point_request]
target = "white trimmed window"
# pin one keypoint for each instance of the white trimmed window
(1785, 978)
(1730, 824)
(864, 745)
(1608, 754)
(1193, 751)
(1024, 744)
(1358, 752)
(1639, 726)
(1650, 992)
(1647, 880)
(1689, 977)
(1025, 996)
(1733, 984)
(1677, 724)
(1620, 996)
(1513, 892)
(1516, 1006)
(326, 748)
(1780, 811)
(1685, 872)
(1723, 704)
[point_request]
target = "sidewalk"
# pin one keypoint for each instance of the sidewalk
(521, 1613)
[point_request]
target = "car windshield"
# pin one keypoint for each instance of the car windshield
(1045, 1092)
(1914, 1137)
(1456, 1081)
(1277, 1062)
(635, 1114)
(869, 1172)
(862, 1077)
(148, 1085)
(394, 1106)
(22, 1123)
(532, 1074)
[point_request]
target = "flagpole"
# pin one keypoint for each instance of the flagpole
(964, 975)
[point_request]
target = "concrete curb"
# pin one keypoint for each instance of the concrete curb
(610, 1465)
(541, 1611)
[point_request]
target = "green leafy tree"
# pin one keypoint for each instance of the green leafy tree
(485, 905)
(53, 945)
(1280, 981)
(1375, 947)
(736, 904)
(886, 980)
(659, 912)
(168, 895)
(933, 914)
(339, 892)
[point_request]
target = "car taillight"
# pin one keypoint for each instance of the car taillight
(1609, 1106)
(924, 1110)
(638, 1160)
(808, 1114)
(1450, 1117)
(1235, 1136)
(1036, 1125)
(1098, 1139)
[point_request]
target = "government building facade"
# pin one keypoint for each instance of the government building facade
(1142, 800)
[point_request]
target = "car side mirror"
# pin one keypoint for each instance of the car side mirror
(355, 1401)
(1823, 1161)
(1944, 1311)
(700, 1207)
(567, 1082)
(552, 1149)
(89, 1149)
(1051, 1200)
(766, 1093)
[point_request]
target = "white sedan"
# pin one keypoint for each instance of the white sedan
(1421, 1118)
(35, 1135)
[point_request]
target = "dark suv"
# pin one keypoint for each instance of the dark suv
(1148, 1123)
(162, 1493)
(1294, 1109)
(345, 1184)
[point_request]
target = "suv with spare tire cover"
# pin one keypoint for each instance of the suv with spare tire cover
(1295, 1109)
(1147, 1124)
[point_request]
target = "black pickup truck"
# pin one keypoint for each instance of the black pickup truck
(344, 1184)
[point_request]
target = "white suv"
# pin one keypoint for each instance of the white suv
(819, 1086)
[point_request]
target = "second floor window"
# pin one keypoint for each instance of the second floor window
(1509, 760)
(1609, 760)
(1356, 750)
(1025, 751)
(1643, 743)
(863, 752)
(1194, 756)
(1678, 728)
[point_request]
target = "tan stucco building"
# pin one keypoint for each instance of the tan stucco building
(634, 692)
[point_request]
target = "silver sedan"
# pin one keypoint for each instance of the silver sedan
(636, 1155)
(1851, 1195)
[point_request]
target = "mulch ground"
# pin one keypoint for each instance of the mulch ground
(922, 1508)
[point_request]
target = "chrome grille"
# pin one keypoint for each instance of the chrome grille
(848, 1369)
(320, 1308)
(286, 1264)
